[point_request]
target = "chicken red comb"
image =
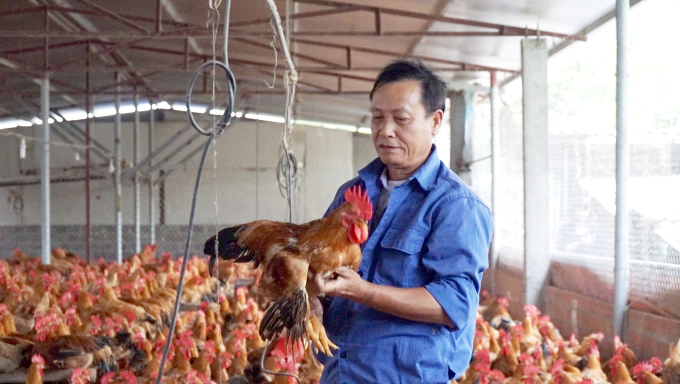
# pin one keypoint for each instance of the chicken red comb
(38, 359)
(361, 200)
(107, 377)
(128, 376)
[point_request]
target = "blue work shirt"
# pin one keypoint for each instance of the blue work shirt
(434, 233)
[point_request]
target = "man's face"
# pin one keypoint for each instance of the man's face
(402, 132)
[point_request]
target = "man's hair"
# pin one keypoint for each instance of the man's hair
(433, 88)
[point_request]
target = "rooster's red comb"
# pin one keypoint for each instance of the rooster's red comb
(360, 200)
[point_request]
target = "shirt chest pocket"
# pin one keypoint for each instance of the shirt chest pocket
(399, 262)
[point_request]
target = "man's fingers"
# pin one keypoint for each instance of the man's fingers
(319, 281)
(344, 272)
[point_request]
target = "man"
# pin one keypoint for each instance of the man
(408, 314)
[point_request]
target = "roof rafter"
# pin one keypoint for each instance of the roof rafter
(503, 30)
(463, 65)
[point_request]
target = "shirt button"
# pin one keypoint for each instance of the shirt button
(343, 355)
(361, 273)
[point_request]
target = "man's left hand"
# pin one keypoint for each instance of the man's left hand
(344, 283)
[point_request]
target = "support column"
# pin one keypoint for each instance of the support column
(135, 159)
(88, 223)
(118, 196)
(622, 172)
(152, 200)
(536, 192)
(459, 117)
(45, 235)
(495, 183)
(88, 124)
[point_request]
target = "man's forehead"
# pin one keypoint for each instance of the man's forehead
(397, 109)
(398, 96)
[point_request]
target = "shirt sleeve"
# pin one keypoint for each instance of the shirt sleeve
(457, 256)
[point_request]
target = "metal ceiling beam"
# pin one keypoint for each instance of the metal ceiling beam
(180, 68)
(175, 92)
(191, 32)
(295, 16)
(21, 11)
(158, 22)
(504, 29)
(41, 47)
(26, 10)
(292, 53)
(81, 23)
(464, 66)
(342, 75)
(111, 49)
(114, 16)
(439, 9)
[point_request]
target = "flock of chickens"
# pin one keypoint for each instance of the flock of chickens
(107, 323)
(534, 352)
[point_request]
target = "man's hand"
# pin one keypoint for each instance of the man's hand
(344, 283)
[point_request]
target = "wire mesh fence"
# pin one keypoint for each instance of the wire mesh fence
(582, 147)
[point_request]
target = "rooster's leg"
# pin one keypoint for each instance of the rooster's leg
(317, 333)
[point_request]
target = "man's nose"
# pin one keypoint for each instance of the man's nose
(388, 128)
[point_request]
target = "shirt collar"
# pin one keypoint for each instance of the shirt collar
(426, 175)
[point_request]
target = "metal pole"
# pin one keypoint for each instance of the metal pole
(152, 200)
(138, 213)
(495, 173)
(88, 123)
(622, 170)
(118, 197)
(45, 170)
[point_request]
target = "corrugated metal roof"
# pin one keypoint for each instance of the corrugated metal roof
(338, 46)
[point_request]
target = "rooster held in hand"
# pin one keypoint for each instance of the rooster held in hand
(290, 256)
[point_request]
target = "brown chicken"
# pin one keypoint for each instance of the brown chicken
(643, 373)
(77, 351)
(290, 256)
(35, 372)
(593, 370)
(671, 367)
(621, 374)
(12, 350)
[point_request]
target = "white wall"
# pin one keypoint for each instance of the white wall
(363, 151)
(247, 189)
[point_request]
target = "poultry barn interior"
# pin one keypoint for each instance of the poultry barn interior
(561, 115)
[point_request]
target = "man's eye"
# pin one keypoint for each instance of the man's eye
(400, 119)
(377, 117)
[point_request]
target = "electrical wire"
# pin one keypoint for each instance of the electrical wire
(212, 134)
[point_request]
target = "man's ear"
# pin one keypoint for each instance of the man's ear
(437, 120)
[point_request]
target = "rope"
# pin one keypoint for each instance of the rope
(217, 129)
(287, 166)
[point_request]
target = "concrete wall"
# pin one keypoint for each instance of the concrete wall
(648, 334)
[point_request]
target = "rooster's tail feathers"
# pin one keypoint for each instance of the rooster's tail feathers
(228, 249)
(287, 313)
